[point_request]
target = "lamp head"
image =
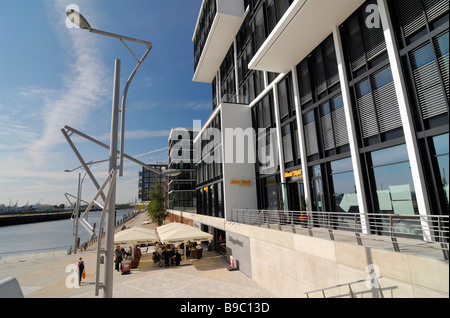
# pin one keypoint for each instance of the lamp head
(78, 19)
(171, 172)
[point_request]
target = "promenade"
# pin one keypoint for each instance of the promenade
(207, 277)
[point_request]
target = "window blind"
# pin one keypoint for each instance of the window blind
(411, 16)
(442, 53)
(426, 77)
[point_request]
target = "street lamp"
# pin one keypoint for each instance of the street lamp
(81, 22)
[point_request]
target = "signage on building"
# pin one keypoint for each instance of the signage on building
(235, 241)
(295, 174)
(241, 182)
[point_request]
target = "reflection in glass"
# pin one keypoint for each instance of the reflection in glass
(393, 179)
(317, 187)
(344, 186)
(441, 146)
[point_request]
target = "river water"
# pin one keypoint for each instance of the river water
(52, 235)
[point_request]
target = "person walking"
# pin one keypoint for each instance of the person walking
(80, 266)
(118, 258)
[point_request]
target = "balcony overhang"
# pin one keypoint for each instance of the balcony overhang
(228, 19)
(303, 27)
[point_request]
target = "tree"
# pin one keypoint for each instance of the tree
(156, 209)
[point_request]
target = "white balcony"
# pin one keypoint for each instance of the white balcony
(304, 26)
(227, 21)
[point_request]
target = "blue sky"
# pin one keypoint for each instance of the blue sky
(52, 76)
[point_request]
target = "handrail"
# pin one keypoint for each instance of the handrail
(352, 294)
(431, 231)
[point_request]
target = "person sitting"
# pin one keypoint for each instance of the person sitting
(136, 257)
(156, 257)
(199, 253)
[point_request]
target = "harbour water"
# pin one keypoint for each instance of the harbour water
(47, 236)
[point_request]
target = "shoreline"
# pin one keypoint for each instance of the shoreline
(33, 218)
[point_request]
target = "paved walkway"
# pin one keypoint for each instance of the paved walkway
(204, 278)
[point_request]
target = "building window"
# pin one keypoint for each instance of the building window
(227, 74)
(441, 145)
(344, 194)
(378, 107)
(422, 30)
(286, 98)
(312, 145)
(334, 127)
(393, 181)
(268, 193)
(263, 119)
(321, 103)
(374, 96)
(204, 26)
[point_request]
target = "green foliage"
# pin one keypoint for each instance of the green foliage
(156, 209)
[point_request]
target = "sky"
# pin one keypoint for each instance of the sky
(53, 75)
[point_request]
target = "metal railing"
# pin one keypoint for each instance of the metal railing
(32, 255)
(402, 232)
(235, 99)
(374, 289)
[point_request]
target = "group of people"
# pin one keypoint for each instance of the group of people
(133, 255)
(193, 250)
(166, 255)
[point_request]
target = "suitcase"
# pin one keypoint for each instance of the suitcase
(126, 267)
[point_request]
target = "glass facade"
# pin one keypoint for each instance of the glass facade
(180, 190)
(421, 29)
(421, 39)
(393, 181)
(344, 187)
(209, 183)
(147, 180)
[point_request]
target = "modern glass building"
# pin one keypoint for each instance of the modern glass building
(324, 108)
(181, 194)
(147, 180)
(355, 96)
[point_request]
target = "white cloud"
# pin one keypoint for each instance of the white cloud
(83, 87)
(14, 135)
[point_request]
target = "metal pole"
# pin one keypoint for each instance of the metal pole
(111, 212)
(124, 101)
(85, 166)
(104, 146)
(77, 213)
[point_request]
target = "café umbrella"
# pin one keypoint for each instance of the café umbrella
(135, 236)
(173, 233)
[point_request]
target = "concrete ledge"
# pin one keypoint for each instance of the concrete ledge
(10, 288)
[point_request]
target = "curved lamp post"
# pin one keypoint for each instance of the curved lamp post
(78, 19)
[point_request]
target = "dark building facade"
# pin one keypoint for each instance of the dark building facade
(181, 195)
(359, 103)
(147, 180)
